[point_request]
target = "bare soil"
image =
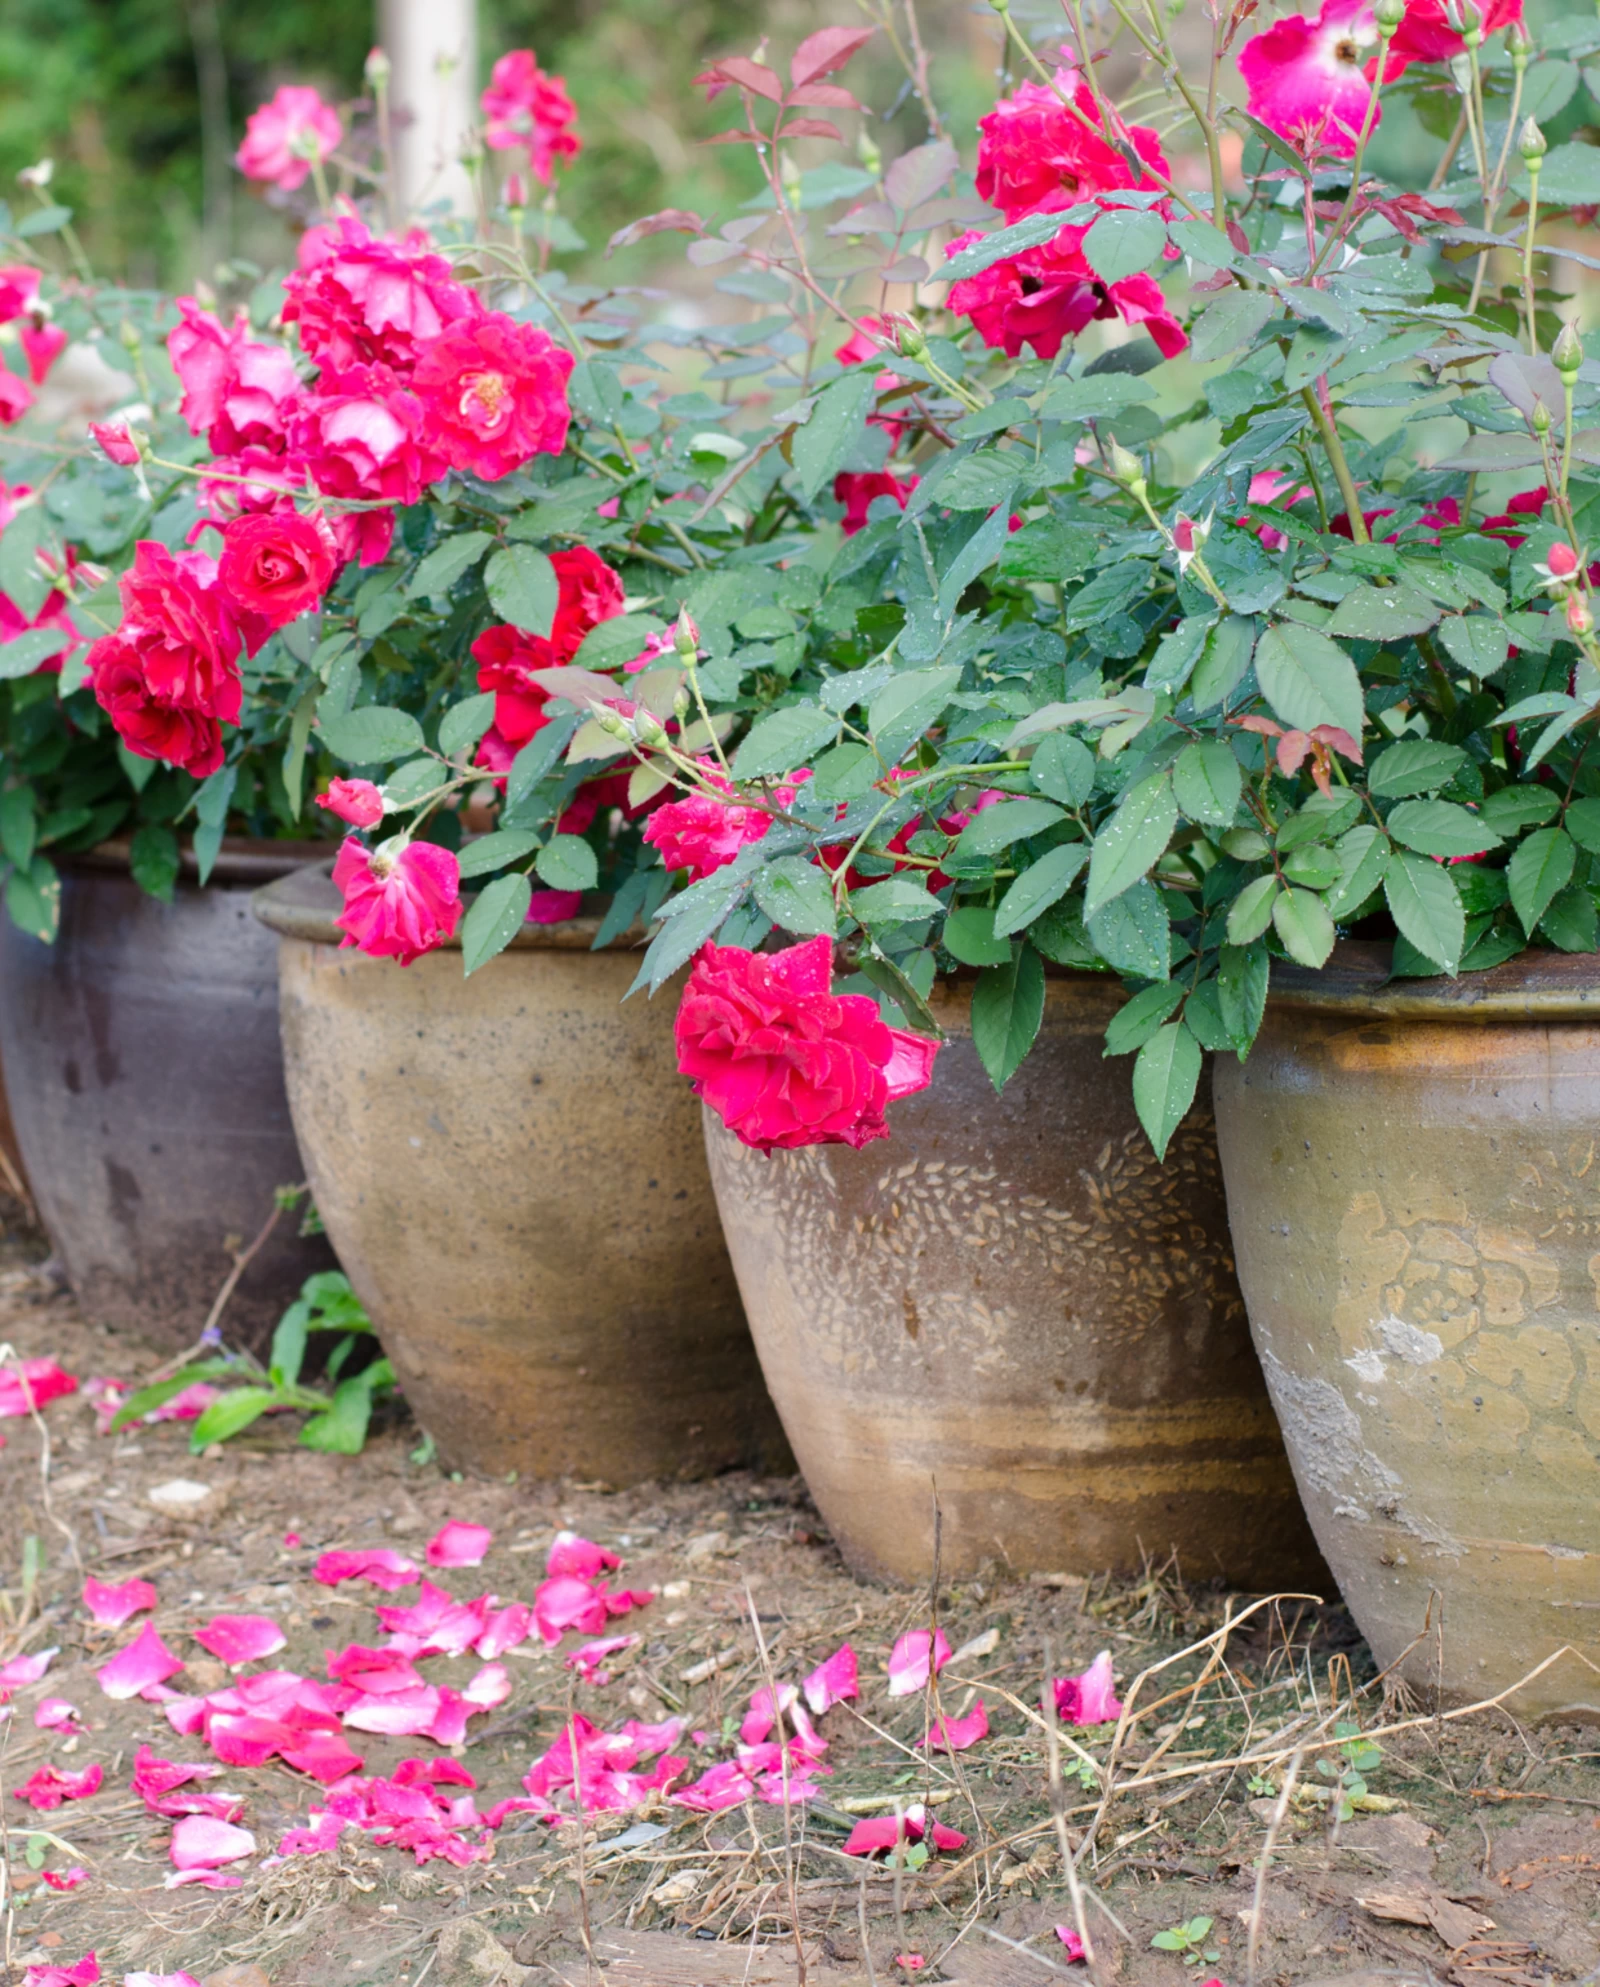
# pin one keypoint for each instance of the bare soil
(1473, 1857)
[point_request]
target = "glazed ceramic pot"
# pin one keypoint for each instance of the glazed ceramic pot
(1413, 1173)
(510, 1169)
(145, 1079)
(1009, 1307)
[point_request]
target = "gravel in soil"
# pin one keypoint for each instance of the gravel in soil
(1472, 1856)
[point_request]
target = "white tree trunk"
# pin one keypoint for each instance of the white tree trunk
(433, 46)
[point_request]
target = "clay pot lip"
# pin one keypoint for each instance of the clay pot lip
(304, 903)
(1537, 985)
(238, 861)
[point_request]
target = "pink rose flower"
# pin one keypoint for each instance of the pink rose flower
(1035, 156)
(42, 345)
(1048, 294)
(362, 302)
(1306, 79)
(16, 397)
(588, 592)
(1425, 35)
(700, 833)
(283, 137)
(19, 290)
(785, 1062)
(856, 488)
(363, 438)
(494, 394)
(526, 110)
(169, 677)
(116, 442)
(275, 567)
(357, 801)
(398, 902)
(237, 391)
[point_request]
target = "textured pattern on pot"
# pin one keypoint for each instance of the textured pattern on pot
(510, 1169)
(1013, 1302)
(1414, 1180)
(145, 1079)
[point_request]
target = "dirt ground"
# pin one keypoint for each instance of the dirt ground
(1473, 1856)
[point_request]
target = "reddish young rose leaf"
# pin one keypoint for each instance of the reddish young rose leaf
(810, 127)
(826, 50)
(674, 219)
(747, 75)
(824, 96)
(735, 138)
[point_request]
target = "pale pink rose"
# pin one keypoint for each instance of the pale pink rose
(283, 137)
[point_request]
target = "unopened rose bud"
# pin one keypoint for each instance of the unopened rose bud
(908, 339)
(686, 636)
(611, 722)
(1563, 561)
(868, 152)
(1531, 144)
(378, 70)
(1539, 419)
(680, 703)
(1567, 352)
(124, 445)
(1519, 45)
(1125, 467)
(516, 192)
(1389, 14)
(128, 334)
(1579, 619)
(649, 730)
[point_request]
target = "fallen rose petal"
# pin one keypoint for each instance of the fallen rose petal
(421, 1616)
(374, 1672)
(145, 1661)
(23, 1670)
(1089, 1699)
(832, 1682)
(159, 1980)
(112, 1606)
(237, 1639)
(723, 1786)
(200, 1842)
(68, 1879)
(571, 1554)
(321, 1836)
(459, 1544)
(322, 1756)
(85, 1974)
(48, 1788)
(400, 1714)
(490, 1687)
(1070, 1939)
(208, 1879)
(909, 1663)
(956, 1734)
(589, 1658)
(886, 1832)
(55, 1714)
(29, 1383)
(565, 1602)
(384, 1567)
(185, 1715)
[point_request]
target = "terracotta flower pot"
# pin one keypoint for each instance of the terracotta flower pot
(1010, 1304)
(1413, 1174)
(510, 1169)
(145, 1079)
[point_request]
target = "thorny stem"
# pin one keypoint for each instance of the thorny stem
(1497, 184)
(1441, 171)
(1341, 468)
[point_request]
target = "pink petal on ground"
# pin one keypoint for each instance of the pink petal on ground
(868, 1837)
(154, 1776)
(956, 1734)
(490, 1687)
(243, 1739)
(456, 1630)
(30, 1383)
(85, 1974)
(589, 1658)
(65, 1879)
(237, 1639)
(832, 1682)
(47, 1788)
(570, 1554)
(112, 1606)
(322, 1756)
(1089, 1699)
(1069, 1938)
(185, 1715)
(762, 1716)
(448, 1726)
(422, 1616)
(159, 1980)
(23, 1670)
(200, 1843)
(400, 1714)
(145, 1661)
(207, 1879)
(374, 1672)
(508, 1629)
(621, 1601)
(55, 1714)
(321, 1836)
(564, 1602)
(908, 1661)
(459, 1544)
(723, 1786)
(384, 1567)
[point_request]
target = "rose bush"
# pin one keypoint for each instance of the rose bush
(878, 624)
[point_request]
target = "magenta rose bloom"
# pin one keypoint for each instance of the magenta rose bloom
(1307, 79)
(1425, 35)
(856, 488)
(526, 110)
(275, 566)
(363, 438)
(169, 677)
(1035, 156)
(399, 902)
(42, 345)
(237, 392)
(357, 801)
(494, 394)
(783, 1061)
(1048, 294)
(283, 136)
(700, 833)
(587, 593)
(19, 289)
(362, 302)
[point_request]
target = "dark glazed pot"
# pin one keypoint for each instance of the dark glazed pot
(1009, 1303)
(145, 1078)
(510, 1169)
(1413, 1175)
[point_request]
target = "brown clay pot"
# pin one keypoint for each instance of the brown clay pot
(145, 1079)
(510, 1169)
(1413, 1174)
(1009, 1306)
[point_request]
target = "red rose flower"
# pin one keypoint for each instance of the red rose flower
(398, 902)
(169, 676)
(364, 438)
(494, 394)
(361, 302)
(856, 488)
(1049, 294)
(357, 801)
(700, 834)
(1036, 156)
(237, 392)
(275, 566)
(588, 592)
(1425, 35)
(524, 109)
(782, 1060)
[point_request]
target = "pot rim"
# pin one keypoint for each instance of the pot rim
(239, 860)
(304, 903)
(1536, 985)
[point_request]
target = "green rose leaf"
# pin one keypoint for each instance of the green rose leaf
(566, 862)
(1131, 841)
(794, 893)
(1007, 1007)
(1541, 866)
(1207, 781)
(494, 920)
(522, 588)
(1165, 1078)
(1308, 680)
(1426, 906)
(1039, 886)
